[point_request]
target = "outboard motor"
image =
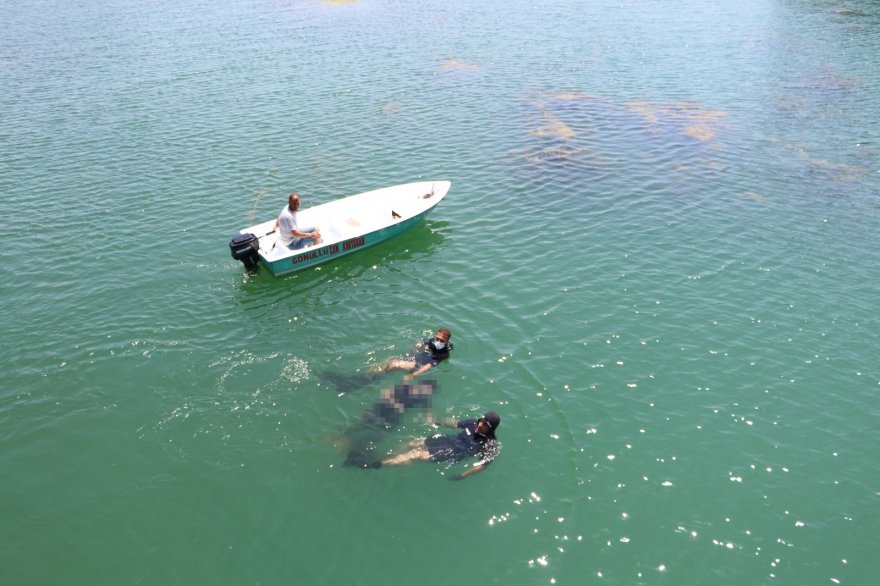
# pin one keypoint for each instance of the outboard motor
(244, 247)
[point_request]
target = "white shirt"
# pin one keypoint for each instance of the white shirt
(286, 224)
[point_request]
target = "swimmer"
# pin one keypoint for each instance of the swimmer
(427, 354)
(477, 438)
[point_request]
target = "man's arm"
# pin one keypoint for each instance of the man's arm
(472, 470)
(295, 232)
(299, 234)
(419, 371)
(447, 423)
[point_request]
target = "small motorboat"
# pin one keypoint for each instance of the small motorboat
(347, 225)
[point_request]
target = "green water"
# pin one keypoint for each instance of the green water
(658, 259)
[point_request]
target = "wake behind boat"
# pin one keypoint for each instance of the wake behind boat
(346, 225)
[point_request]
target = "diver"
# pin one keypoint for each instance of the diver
(426, 355)
(477, 439)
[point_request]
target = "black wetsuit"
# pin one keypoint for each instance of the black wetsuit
(465, 444)
(428, 354)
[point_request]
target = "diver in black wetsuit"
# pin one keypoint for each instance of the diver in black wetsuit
(428, 354)
(477, 438)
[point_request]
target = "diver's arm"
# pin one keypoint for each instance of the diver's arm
(420, 370)
(444, 422)
(472, 470)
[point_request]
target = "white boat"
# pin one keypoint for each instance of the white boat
(347, 225)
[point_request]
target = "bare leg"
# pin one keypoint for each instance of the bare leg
(407, 457)
(400, 364)
(392, 364)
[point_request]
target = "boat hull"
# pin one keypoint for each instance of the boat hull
(348, 225)
(315, 255)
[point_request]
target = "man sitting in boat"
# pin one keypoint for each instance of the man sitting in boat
(289, 233)
(427, 354)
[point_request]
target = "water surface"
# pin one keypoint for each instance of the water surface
(658, 260)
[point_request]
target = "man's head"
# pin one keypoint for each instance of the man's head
(492, 420)
(293, 201)
(443, 335)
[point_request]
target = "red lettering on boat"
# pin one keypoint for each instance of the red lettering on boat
(353, 243)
